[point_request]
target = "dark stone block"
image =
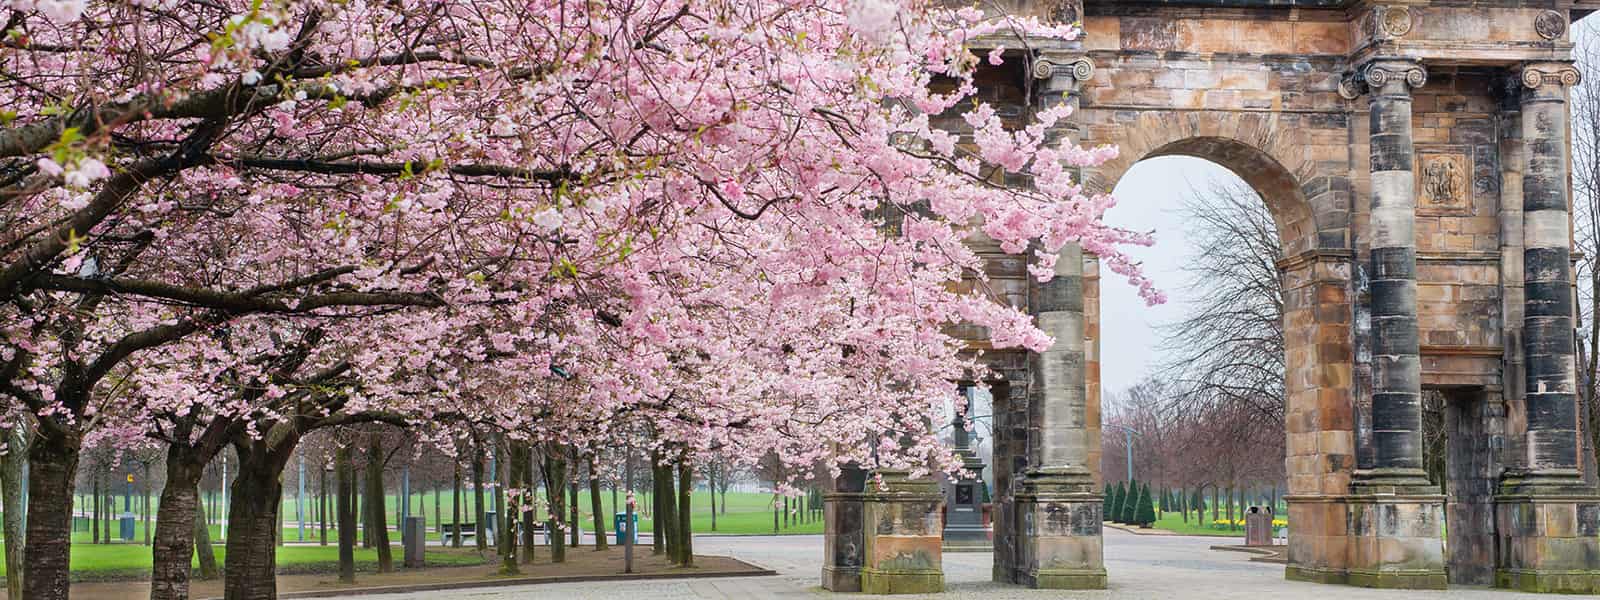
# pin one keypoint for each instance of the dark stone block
(1547, 335)
(1394, 263)
(1589, 519)
(1549, 298)
(1396, 411)
(1542, 191)
(1399, 374)
(1551, 410)
(1547, 264)
(1058, 294)
(1394, 335)
(1398, 448)
(1391, 152)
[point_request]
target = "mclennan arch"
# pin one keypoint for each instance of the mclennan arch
(1414, 157)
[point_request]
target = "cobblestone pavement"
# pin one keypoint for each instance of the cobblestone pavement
(1141, 567)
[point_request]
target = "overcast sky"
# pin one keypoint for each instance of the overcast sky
(1151, 197)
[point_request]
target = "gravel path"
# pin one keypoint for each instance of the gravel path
(1141, 567)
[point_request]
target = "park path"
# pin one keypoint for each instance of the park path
(1141, 567)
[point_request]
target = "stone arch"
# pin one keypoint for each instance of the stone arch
(1310, 207)
(1310, 202)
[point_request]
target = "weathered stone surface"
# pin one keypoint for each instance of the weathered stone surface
(902, 547)
(1413, 156)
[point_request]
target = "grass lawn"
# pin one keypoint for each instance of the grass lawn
(747, 513)
(82, 535)
(1173, 522)
(115, 561)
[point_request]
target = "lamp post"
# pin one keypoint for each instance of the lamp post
(1128, 434)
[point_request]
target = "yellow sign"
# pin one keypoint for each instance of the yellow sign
(130, 478)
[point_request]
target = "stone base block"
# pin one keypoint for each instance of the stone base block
(1060, 544)
(1399, 580)
(1549, 582)
(841, 579)
(1396, 541)
(1315, 574)
(874, 581)
(1548, 536)
(902, 537)
(1067, 580)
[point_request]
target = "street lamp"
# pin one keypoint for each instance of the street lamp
(1128, 434)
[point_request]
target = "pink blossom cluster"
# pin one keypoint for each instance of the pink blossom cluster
(699, 217)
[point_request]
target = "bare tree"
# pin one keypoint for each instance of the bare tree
(1228, 348)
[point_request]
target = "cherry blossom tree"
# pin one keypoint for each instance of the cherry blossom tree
(232, 223)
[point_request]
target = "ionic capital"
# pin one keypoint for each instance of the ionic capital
(1549, 75)
(1373, 76)
(1049, 66)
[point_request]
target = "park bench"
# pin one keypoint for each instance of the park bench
(448, 531)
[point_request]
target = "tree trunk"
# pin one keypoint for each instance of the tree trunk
(322, 504)
(477, 496)
(204, 553)
(96, 508)
(364, 507)
(379, 525)
(685, 530)
(555, 479)
(572, 501)
(52, 467)
(523, 470)
(12, 466)
(250, 570)
(345, 494)
(657, 541)
(177, 522)
(594, 505)
(455, 509)
(508, 472)
(144, 506)
(668, 516)
(1229, 496)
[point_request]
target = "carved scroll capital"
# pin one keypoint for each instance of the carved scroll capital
(1538, 75)
(1080, 68)
(1374, 75)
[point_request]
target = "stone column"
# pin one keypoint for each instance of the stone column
(1397, 368)
(1058, 506)
(843, 531)
(1395, 516)
(1547, 341)
(1546, 519)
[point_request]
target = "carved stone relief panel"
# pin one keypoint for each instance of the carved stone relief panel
(1444, 180)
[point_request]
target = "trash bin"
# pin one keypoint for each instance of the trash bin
(616, 524)
(1258, 526)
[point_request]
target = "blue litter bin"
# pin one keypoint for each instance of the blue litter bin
(616, 523)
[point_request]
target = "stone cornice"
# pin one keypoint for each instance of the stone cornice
(1290, 263)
